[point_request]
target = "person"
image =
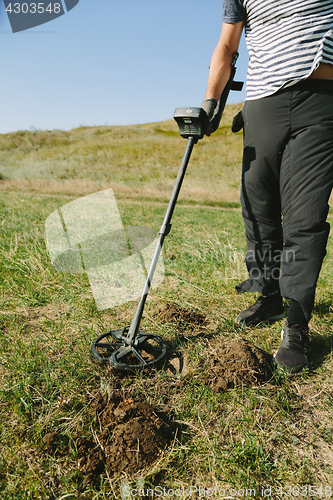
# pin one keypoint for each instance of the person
(287, 170)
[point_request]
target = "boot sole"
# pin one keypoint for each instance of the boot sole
(272, 319)
(291, 371)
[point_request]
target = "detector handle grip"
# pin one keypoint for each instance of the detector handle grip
(231, 85)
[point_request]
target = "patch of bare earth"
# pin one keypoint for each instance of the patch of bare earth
(185, 321)
(183, 317)
(129, 437)
(235, 363)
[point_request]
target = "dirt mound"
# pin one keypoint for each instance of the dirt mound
(173, 313)
(235, 363)
(130, 436)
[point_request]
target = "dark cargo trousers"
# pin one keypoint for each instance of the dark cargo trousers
(286, 184)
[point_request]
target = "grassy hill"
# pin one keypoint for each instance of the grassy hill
(138, 161)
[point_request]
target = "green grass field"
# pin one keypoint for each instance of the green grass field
(273, 439)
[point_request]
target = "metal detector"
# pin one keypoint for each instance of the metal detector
(130, 348)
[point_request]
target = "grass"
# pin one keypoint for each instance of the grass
(263, 438)
(139, 161)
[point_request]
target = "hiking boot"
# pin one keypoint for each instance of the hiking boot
(291, 355)
(266, 309)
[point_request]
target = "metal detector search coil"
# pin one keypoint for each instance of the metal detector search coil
(146, 350)
(131, 348)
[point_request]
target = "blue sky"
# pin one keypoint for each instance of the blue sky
(109, 63)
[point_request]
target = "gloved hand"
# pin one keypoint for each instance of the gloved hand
(208, 106)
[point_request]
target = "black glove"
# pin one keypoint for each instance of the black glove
(208, 106)
(237, 122)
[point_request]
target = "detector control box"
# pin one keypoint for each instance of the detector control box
(192, 122)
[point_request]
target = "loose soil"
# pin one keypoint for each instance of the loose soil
(235, 363)
(50, 441)
(185, 319)
(130, 436)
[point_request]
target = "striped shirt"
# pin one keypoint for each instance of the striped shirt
(286, 40)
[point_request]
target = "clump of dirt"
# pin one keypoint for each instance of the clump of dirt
(237, 362)
(172, 312)
(50, 441)
(130, 436)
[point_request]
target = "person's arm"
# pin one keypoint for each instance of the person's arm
(220, 66)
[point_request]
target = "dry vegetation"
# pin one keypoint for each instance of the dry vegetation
(136, 162)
